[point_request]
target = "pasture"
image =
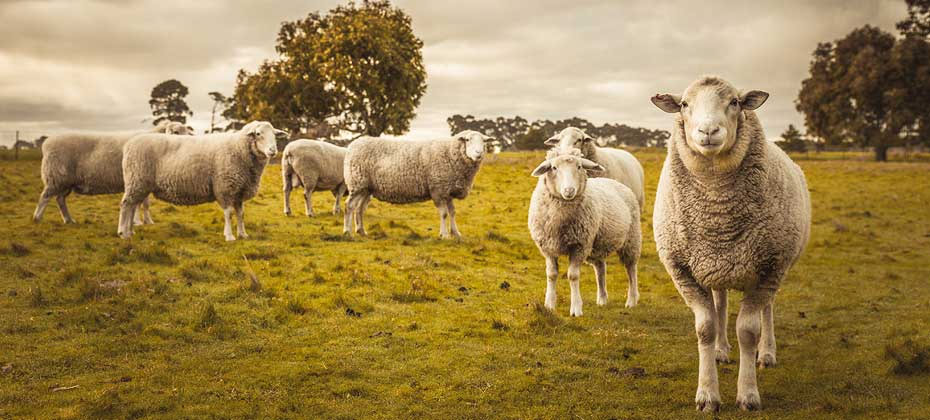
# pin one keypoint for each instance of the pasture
(298, 322)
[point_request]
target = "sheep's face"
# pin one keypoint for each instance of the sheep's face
(262, 137)
(475, 143)
(570, 138)
(176, 128)
(711, 110)
(566, 176)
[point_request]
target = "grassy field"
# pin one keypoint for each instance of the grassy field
(297, 322)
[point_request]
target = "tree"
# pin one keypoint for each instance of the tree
(917, 23)
(358, 68)
(844, 98)
(168, 102)
(219, 101)
(534, 139)
(792, 140)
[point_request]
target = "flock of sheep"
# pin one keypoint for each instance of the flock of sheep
(732, 211)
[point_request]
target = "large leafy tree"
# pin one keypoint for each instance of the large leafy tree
(867, 88)
(358, 68)
(168, 103)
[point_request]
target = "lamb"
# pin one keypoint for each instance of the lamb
(586, 219)
(732, 211)
(313, 165)
(88, 163)
(407, 171)
(618, 164)
(225, 168)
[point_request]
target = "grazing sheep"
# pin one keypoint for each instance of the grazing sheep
(314, 165)
(407, 171)
(586, 219)
(732, 212)
(88, 163)
(225, 168)
(618, 164)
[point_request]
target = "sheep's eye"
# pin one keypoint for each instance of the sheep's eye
(734, 102)
(684, 104)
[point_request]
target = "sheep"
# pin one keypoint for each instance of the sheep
(732, 211)
(313, 165)
(225, 168)
(407, 171)
(88, 163)
(618, 164)
(587, 219)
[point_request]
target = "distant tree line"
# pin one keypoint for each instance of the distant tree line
(518, 133)
(871, 88)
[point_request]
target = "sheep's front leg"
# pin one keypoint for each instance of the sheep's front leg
(127, 210)
(600, 272)
(699, 299)
(44, 198)
(723, 343)
(240, 217)
(349, 216)
(552, 274)
(227, 228)
(748, 330)
(452, 225)
(443, 208)
(574, 277)
(767, 341)
(308, 202)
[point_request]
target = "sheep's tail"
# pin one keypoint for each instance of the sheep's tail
(287, 170)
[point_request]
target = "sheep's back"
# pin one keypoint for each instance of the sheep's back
(391, 170)
(325, 161)
(623, 167)
(87, 163)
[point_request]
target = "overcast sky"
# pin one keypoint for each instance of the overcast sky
(76, 64)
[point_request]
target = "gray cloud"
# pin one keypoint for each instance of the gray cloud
(92, 64)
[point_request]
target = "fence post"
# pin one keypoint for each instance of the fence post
(16, 147)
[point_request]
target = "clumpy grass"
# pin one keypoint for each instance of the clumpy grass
(909, 357)
(296, 306)
(199, 271)
(15, 249)
(497, 237)
(543, 319)
(419, 292)
(36, 298)
(208, 317)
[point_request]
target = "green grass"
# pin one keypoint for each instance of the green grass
(298, 322)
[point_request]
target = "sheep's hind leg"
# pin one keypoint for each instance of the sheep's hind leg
(723, 343)
(146, 204)
(552, 274)
(240, 218)
(574, 277)
(142, 217)
(360, 214)
(227, 228)
(337, 194)
(63, 207)
(287, 195)
(767, 341)
(349, 216)
(632, 293)
(600, 273)
(44, 198)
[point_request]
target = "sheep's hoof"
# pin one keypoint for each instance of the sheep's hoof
(243, 235)
(602, 300)
(706, 402)
(311, 214)
(230, 238)
(287, 213)
(138, 223)
(766, 360)
(723, 355)
(575, 312)
(70, 221)
(749, 402)
(631, 301)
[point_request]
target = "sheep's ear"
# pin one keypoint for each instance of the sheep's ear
(552, 141)
(542, 168)
(461, 135)
(591, 165)
(280, 133)
(667, 102)
(753, 99)
(586, 138)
